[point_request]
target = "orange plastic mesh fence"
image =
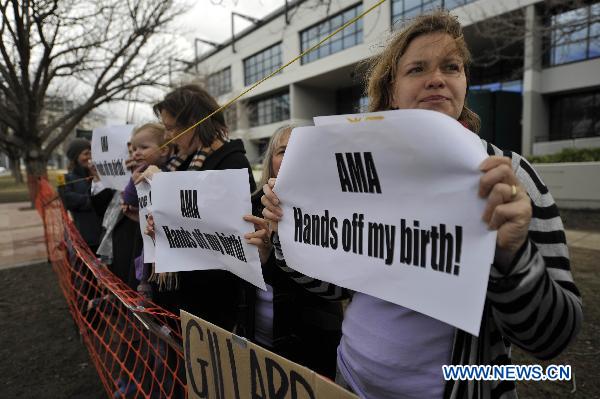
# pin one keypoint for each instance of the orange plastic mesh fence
(135, 344)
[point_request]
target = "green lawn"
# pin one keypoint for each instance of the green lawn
(13, 192)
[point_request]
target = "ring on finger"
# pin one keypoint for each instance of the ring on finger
(513, 191)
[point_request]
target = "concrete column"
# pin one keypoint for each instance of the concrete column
(535, 113)
(307, 102)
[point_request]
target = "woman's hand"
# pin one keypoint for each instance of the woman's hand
(147, 175)
(130, 164)
(272, 211)
(150, 227)
(93, 171)
(135, 175)
(261, 237)
(508, 208)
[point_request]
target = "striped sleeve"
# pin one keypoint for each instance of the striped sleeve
(537, 305)
(323, 289)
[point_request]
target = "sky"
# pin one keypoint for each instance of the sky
(208, 20)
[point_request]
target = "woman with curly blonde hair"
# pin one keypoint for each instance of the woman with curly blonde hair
(389, 351)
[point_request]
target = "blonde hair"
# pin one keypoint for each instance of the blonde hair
(382, 68)
(158, 131)
(267, 165)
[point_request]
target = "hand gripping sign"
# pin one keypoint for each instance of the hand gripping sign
(388, 206)
(199, 225)
(109, 152)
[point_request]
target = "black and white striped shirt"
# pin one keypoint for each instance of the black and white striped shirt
(536, 306)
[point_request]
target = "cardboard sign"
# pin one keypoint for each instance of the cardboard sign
(199, 225)
(222, 365)
(109, 152)
(144, 193)
(388, 206)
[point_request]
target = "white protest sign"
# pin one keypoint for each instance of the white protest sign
(199, 225)
(354, 118)
(145, 207)
(389, 206)
(109, 152)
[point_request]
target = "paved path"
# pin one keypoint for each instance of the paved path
(583, 239)
(21, 236)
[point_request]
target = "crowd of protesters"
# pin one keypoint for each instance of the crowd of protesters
(374, 348)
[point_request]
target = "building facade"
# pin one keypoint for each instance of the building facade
(55, 108)
(536, 84)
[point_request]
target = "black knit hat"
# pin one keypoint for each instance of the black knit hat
(76, 147)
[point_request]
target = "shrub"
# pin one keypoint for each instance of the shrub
(568, 155)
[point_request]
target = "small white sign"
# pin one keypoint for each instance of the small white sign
(145, 208)
(387, 204)
(109, 152)
(199, 225)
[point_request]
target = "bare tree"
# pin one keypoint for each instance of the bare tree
(92, 51)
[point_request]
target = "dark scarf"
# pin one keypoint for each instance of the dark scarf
(177, 160)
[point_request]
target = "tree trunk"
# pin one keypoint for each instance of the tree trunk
(36, 165)
(15, 167)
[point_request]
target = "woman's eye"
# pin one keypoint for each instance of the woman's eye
(414, 70)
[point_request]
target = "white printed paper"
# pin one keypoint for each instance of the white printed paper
(199, 225)
(387, 204)
(109, 152)
(145, 207)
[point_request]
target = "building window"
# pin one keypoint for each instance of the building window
(262, 64)
(219, 82)
(513, 85)
(270, 109)
(349, 37)
(403, 10)
(575, 35)
(575, 116)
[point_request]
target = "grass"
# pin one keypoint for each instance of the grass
(13, 192)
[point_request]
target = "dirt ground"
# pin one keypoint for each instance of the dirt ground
(42, 356)
(583, 354)
(581, 219)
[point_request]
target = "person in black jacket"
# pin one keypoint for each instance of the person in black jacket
(214, 295)
(76, 193)
(76, 197)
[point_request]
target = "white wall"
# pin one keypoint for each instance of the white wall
(483, 9)
(573, 76)
(376, 27)
(310, 101)
(573, 185)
